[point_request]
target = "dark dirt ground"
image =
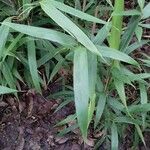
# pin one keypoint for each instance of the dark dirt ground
(29, 125)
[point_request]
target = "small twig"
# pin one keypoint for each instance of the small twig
(146, 36)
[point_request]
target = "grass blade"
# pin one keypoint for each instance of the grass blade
(117, 55)
(81, 88)
(121, 91)
(4, 31)
(33, 65)
(146, 11)
(43, 33)
(128, 34)
(6, 90)
(144, 100)
(100, 108)
(75, 12)
(114, 137)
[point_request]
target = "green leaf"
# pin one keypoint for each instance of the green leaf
(141, 3)
(116, 55)
(33, 65)
(17, 74)
(145, 26)
(4, 31)
(114, 137)
(68, 26)
(115, 104)
(92, 70)
(100, 108)
(92, 75)
(47, 56)
(81, 88)
(127, 120)
(102, 34)
(62, 105)
(75, 12)
(27, 7)
(140, 134)
(128, 34)
(7, 73)
(6, 90)
(121, 90)
(69, 129)
(139, 32)
(135, 46)
(91, 108)
(133, 12)
(141, 108)
(56, 69)
(66, 120)
(12, 45)
(144, 100)
(43, 33)
(146, 11)
(143, 93)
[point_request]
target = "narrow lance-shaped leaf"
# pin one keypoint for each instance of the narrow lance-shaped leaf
(128, 34)
(102, 34)
(43, 33)
(81, 88)
(92, 70)
(117, 55)
(4, 31)
(138, 33)
(134, 46)
(75, 12)
(145, 26)
(68, 26)
(91, 108)
(33, 64)
(140, 134)
(100, 108)
(6, 90)
(121, 91)
(7, 73)
(56, 69)
(141, 3)
(133, 12)
(12, 45)
(114, 137)
(146, 11)
(144, 100)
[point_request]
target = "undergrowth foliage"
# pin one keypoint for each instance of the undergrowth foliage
(49, 35)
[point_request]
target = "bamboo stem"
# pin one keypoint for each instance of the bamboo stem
(116, 30)
(116, 25)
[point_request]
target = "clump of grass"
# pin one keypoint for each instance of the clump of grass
(50, 34)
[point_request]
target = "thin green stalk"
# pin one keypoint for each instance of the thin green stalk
(116, 30)
(116, 25)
